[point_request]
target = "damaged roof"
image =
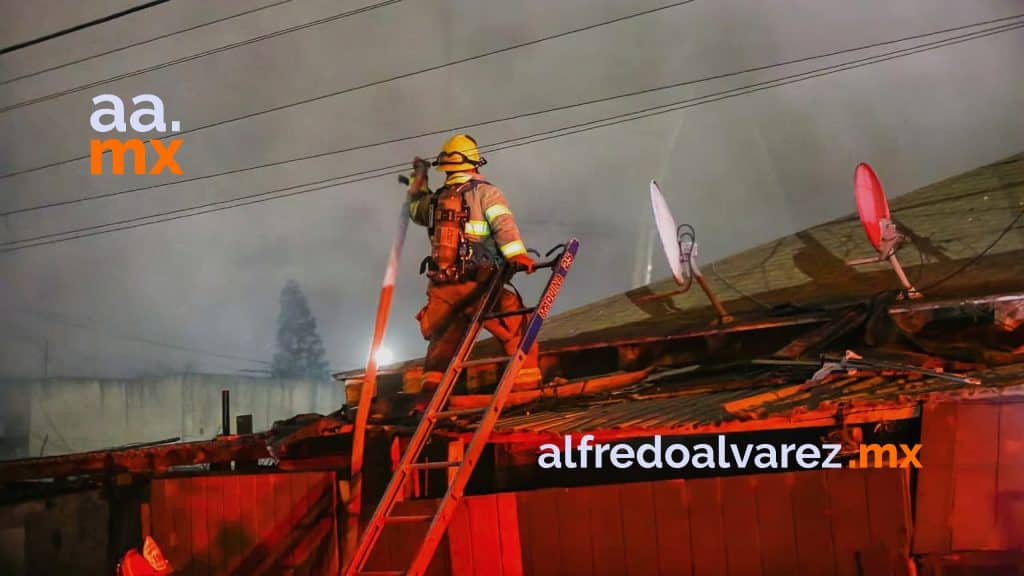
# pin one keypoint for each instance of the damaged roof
(965, 252)
(793, 299)
(948, 224)
(758, 397)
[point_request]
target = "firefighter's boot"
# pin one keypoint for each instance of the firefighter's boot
(527, 379)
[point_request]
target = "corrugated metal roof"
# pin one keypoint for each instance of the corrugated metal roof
(695, 406)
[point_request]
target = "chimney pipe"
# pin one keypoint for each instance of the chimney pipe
(225, 412)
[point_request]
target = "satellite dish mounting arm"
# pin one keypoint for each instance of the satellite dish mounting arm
(681, 251)
(687, 238)
(873, 208)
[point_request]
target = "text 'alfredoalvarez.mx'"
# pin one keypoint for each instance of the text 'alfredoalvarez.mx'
(722, 454)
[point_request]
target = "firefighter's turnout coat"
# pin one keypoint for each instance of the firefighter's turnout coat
(489, 233)
(490, 222)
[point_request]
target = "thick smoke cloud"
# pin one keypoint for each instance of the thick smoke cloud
(744, 171)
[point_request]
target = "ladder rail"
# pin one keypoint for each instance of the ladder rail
(423, 431)
(446, 510)
(463, 469)
(482, 434)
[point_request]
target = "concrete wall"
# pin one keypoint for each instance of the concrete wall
(68, 415)
(14, 426)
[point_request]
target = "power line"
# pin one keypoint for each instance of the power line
(55, 318)
(978, 256)
(514, 116)
(355, 177)
(196, 56)
(546, 135)
(382, 81)
(81, 26)
(142, 42)
(760, 303)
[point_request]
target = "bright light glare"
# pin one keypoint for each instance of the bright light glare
(384, 356)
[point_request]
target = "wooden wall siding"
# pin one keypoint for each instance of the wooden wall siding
(483, 537)
(970, 492)
(246, 524)
(399, 541)
(815, 523)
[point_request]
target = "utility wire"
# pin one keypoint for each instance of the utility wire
(514, 116)
(354, 177)
(81, 26)
(196, 56)
(546, 135)
(83, 325)
(760, 303)
(978, 256)
(382, 81)
(142, 42)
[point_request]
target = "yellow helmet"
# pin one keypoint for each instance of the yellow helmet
(460, 153)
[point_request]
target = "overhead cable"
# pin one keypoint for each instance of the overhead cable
(508, 118)
(360, 176)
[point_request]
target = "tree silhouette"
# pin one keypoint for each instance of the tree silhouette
(300, 352)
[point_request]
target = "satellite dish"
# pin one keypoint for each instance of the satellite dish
(680, 246)
(667, 232)
(873, 208)
(872, 204)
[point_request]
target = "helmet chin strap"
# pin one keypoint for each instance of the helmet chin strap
(446, 158)
(459, 177)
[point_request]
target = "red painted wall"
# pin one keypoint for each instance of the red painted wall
(815, 523)
(246, 524)
(970, 492)
(834, 522)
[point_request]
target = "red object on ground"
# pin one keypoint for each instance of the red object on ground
(872, 204)
(150, 563)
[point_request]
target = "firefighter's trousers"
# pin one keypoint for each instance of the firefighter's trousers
(445, 318)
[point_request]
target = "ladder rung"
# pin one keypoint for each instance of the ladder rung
(473, 450)
(434, 465)
(482, 361)
(516, 312)
(411, 518)
(460, 412)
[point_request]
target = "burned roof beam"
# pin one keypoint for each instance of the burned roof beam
(823, 335)
(697, 331)
(811, 419)
(136, 460)
(954, 303)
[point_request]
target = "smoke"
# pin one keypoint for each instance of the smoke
(742, 171)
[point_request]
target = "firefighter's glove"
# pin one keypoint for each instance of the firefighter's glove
(419, 165)
(421, 168)
(523, 262)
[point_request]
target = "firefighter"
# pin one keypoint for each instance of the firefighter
(471, 231)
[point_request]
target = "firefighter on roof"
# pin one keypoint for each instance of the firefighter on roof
(471, 230)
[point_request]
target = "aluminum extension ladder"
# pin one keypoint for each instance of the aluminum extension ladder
(464, 468)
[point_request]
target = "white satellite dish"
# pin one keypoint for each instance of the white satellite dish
(680, 246)
(667, 232)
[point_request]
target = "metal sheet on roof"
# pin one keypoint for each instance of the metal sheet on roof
(696, 407)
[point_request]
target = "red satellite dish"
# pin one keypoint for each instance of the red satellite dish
(872, 204)
(873, 208)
